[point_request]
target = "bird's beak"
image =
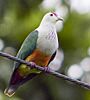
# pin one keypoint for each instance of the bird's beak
(59, 19)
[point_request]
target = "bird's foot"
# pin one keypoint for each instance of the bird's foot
(33, 64)
(47, 69)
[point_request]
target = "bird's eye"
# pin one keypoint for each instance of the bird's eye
(51, 14)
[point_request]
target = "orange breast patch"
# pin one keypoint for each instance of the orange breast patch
(39, 58)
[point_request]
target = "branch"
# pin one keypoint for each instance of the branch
(45, 69)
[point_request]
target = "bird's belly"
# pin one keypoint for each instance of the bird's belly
(38, 58)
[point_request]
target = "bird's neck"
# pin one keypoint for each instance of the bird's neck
(46, 23)
(47, 26)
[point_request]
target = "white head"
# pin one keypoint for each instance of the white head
(51, 17)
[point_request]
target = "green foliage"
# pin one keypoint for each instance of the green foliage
(75, 37)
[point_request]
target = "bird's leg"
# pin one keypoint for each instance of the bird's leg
(33, 64)
(47, 69)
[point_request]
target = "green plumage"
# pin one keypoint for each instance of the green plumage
(28, 46)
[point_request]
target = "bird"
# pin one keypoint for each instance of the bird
(40, 47)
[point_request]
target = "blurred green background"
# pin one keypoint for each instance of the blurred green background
(18, 18)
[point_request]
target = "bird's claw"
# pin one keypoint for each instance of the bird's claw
(46, 69)
(33, 64)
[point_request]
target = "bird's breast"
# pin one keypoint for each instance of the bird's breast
(48, 42)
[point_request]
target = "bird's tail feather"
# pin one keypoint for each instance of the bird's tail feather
(10, 91)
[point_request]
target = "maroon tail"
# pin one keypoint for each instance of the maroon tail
(16, 81)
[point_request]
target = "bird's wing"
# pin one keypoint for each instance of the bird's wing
(27, 47)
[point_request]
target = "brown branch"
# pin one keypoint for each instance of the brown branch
(45, 69)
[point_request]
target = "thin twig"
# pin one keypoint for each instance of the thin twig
(33, 65)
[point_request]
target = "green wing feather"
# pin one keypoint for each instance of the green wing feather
(28, 46)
